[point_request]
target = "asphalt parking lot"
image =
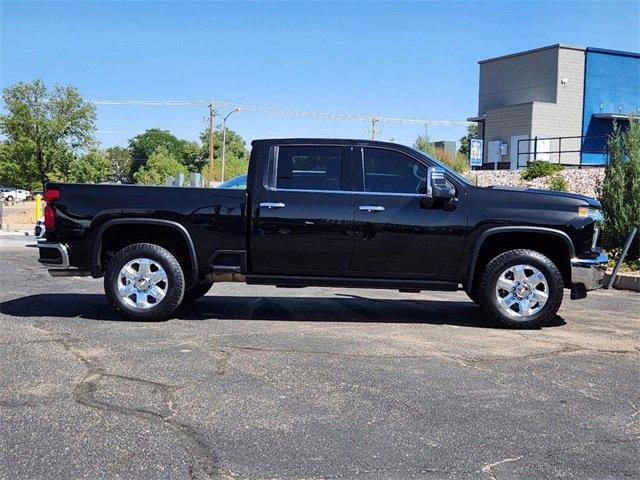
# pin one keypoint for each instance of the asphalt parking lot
(317, 383)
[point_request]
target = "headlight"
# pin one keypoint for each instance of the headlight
(598, 217)
(591, 212)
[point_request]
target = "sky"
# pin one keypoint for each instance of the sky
(401, 59)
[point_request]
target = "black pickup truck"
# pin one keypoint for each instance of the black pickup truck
(337, 213)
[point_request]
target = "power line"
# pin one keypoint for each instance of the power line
(282, 111)
(126, 132)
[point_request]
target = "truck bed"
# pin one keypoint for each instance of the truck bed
(212, 217)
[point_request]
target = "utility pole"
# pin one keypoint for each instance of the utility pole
(211, 116)
(374, 120)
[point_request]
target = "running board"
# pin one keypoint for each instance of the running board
(69, 272)
(391, 284)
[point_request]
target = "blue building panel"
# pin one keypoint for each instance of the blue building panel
(611, 87)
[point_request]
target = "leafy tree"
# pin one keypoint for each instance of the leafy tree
(120, 161)
(620, 190)
(193, 156)
(43, 127)
(144, 145)
(423, 143)
(161, 164)
(93, 167)
(10, 170)
(236, 156)
(472, 132)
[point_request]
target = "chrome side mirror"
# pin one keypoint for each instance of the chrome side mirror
(439, 187)
(436, 188)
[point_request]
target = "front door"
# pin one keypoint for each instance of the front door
(303, 217)
(395, 237)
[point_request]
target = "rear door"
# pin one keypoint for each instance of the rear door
(395, 237)
(303, 211)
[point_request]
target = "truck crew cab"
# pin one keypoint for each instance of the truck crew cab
(338, 213)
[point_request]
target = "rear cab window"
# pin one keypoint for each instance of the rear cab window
(301, 167)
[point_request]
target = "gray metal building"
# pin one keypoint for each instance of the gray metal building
(537, 93)
(556, 103)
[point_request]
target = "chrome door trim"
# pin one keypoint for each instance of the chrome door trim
(273, 204)
(371, 208)
(352, 192)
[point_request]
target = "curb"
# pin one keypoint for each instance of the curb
(625, 282)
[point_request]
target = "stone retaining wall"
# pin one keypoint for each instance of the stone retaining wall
(583, 181)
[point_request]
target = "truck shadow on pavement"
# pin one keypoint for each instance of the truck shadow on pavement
(337, 308)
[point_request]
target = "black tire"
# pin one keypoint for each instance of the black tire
(174, 286)
(489, 280)
(196, 292)
(9, 198)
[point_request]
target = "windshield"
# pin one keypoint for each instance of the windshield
(446, 168)
(238, 182)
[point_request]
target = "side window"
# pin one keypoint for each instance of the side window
(309, 168)
(387, 171)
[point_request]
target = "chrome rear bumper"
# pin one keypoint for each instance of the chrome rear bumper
(589, 271)
(53, 254)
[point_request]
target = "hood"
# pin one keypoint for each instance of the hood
(549, 193)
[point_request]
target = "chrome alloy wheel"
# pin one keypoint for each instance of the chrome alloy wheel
(142, 283)
(522, 291)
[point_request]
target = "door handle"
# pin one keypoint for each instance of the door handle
(272, 204)
(371, 208)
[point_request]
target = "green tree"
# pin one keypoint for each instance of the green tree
(144, 145)
(120, 160)
(11, 172)
(236, 156)
(161, 164)
(423, 143)
(93, 167)
(193, 156)
(620, 190)
(42, 127)
(472, 132)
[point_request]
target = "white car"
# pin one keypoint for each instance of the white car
(16, 194)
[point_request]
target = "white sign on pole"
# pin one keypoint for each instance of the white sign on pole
(475, 152)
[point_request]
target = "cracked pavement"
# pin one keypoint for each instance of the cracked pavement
(256, 382)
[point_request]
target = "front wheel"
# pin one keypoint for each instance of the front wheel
(144, 282)
(521, 288)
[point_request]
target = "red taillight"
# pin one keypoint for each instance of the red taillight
(50, 195)
(49, 217)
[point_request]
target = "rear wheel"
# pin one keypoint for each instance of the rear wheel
(196, 292)
(521, 288)
(144, 282)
